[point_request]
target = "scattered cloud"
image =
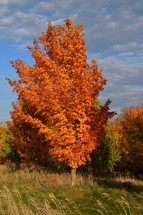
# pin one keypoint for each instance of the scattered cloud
(113, 35)
(130, 46)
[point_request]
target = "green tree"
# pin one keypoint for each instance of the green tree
(5, 147)
(106, 155)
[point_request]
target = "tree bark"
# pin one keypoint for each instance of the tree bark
(73, 174)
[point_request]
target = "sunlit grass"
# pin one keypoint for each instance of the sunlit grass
(28, 193)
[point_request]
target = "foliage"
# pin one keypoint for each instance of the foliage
(55, 115)
(2, 138)
(12, 154)
(105, 157)
(7, 150)
(128, 131)
(4, 145)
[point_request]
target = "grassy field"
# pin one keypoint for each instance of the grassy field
(28, 193)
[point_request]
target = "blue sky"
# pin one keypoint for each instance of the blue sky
(113, 34)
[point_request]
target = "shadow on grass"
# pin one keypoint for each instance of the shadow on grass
(109, 183)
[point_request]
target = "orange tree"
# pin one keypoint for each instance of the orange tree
(127, 130)
(55, 114)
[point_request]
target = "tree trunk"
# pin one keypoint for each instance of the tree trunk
(73, 174)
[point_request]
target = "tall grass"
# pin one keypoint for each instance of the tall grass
(28, 193)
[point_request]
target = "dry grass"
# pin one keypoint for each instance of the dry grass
(41, 178)
(40, 193)
(13, 203)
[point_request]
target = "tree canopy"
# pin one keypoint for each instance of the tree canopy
(55, 115)
(127, 130)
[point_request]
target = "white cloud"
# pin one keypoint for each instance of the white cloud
(129, 46)
(106, 24)
(6, 21)
(7, 2)
(43, 6)
(113, 35)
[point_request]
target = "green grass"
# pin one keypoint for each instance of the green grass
(25, 193)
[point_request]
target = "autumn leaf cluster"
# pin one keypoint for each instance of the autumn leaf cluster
(55, 115)
(128, 132)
